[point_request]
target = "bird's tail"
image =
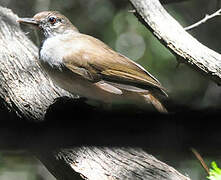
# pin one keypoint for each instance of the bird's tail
(155, 102)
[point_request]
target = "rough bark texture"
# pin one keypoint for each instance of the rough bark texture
(109, 164)
(27, 92)
(177, 40)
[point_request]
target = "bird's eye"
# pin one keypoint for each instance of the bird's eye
(52, 20)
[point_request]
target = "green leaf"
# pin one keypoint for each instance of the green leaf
(215, 172)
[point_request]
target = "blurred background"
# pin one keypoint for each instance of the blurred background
(112, 22)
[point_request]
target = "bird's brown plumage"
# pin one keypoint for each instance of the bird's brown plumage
(92, 63)
(97, 61)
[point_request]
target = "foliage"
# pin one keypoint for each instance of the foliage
(215, 172)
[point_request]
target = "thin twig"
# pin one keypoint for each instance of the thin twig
(206, 18)
(199, 157)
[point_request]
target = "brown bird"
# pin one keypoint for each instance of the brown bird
(84, 65)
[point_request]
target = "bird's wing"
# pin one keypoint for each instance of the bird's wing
(95, 61)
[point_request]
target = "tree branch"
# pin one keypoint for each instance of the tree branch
(109, 163)
(173, 36)
(29, 94)
(205, 19)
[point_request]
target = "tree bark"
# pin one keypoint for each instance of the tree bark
(105, 163)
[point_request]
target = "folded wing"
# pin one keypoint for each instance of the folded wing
(95, 61)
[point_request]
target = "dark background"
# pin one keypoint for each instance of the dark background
(194, 100)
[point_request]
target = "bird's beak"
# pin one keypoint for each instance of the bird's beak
(28, 21)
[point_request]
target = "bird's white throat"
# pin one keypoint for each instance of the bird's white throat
(51, 52)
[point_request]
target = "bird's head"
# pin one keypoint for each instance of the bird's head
(52, 23)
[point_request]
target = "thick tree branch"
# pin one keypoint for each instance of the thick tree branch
(177, 40)
(28, 93)
(109, 164)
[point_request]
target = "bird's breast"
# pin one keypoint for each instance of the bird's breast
(51, 52)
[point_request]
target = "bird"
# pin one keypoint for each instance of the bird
(84, 65)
